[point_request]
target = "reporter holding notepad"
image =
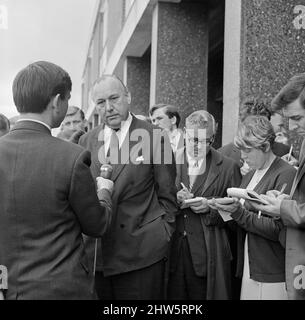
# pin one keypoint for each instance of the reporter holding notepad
(261, 255)
(200, 252)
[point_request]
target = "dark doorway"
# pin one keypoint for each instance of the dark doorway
(215, 64)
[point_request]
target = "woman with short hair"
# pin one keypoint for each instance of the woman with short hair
(261, 257)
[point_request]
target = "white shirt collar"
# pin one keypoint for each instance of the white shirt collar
(37, 121)
(121, 133)
(194, 167)
(174, 137)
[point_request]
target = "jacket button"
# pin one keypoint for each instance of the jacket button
(122, 226)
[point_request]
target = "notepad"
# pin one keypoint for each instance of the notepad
(246, 194)
(188, 202)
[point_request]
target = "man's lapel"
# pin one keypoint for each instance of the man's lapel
(211, 175)
(184, 172)
(301, 169)
(127, 151)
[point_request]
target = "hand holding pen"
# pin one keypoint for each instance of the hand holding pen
(274, 194)
(184, 193)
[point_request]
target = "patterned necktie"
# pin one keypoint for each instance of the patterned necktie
(193, 171)
(113, 150)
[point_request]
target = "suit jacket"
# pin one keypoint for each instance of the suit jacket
(46, 185)
(266, 254)
(144, 201)
(293, 216)
(223, 173)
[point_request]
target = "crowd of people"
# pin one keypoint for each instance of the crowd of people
(137, 208)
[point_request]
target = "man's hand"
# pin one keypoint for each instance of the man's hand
(276, 194)
(281, 137)
(273, 206)
(184, 194)
(290, 159)
(228, 208)
(201, 207)
(103, 183)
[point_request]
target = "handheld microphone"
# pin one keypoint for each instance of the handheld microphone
(106, 171)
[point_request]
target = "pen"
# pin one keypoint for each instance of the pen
(283, 188)
(183, 186)
(290, 152)
(259, 214)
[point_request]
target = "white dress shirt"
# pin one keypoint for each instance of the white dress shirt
(174, 138)
(121, 133)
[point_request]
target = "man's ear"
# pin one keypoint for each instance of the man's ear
(54, 101)
(266, 146)
(128, 97)
(216, 128)
(174, 120)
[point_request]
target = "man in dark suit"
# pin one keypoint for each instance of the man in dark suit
(47, 194)
(200, 252)
(167, 117)
(130, 264)
(291, 209)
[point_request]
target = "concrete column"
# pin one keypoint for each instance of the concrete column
(264, 47)
(179, 55)
(138, 82)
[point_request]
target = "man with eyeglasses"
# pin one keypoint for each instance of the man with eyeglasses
(131, 260)
(200, 252)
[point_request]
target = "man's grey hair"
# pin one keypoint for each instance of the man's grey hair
(106, 76)
(202, 120)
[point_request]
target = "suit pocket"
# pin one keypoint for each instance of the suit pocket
(150, 220)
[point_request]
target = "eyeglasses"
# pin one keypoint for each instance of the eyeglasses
(196, 141)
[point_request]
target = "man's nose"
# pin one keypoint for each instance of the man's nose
(109, 106)
(293, 124)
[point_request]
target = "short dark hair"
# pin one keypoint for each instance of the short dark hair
(252, 106)
(169, 110)
(4, 123)
(293, 90)
(35, 85)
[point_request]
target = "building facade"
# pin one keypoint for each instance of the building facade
(207, 54)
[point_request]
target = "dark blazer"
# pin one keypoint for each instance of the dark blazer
(47, 200)
(293, 216)
(223, 173)
(144, 203)
(266, 254)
